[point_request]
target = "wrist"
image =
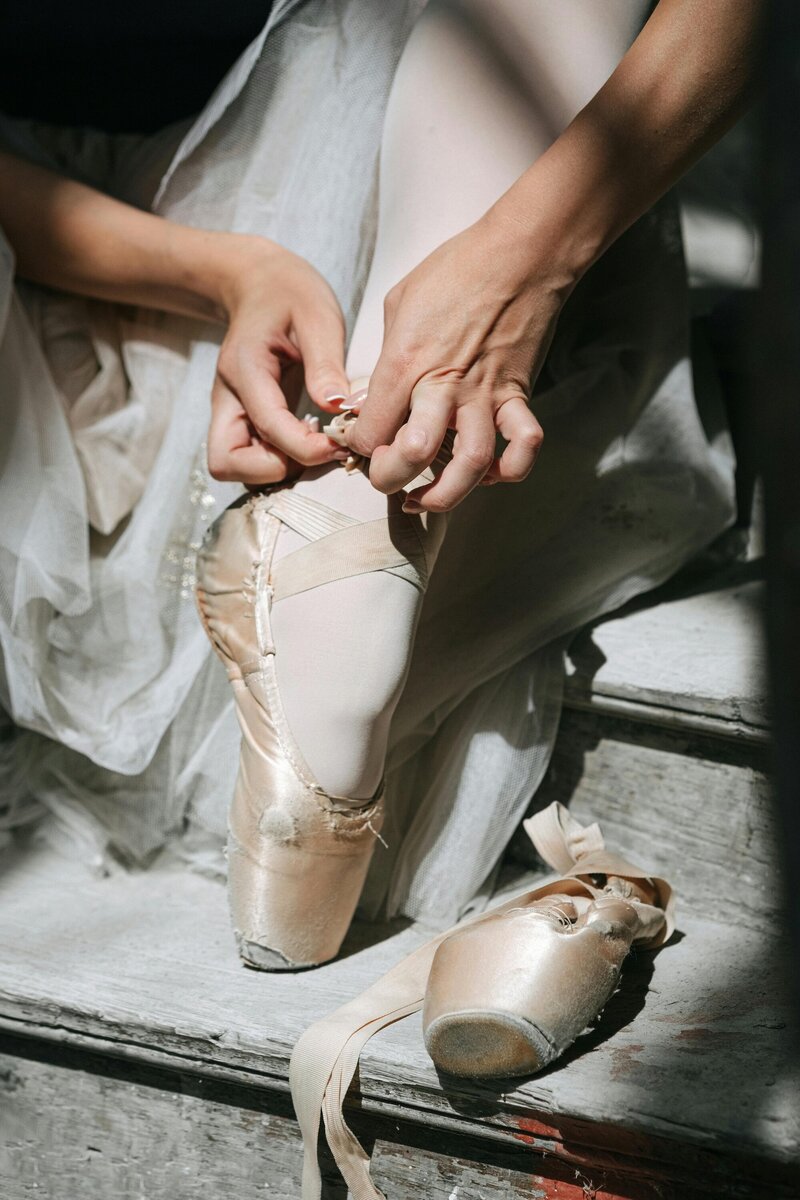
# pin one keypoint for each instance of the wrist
(232, 263)
(554, 220)
(203, 272)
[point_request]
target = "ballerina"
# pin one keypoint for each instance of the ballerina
(105, 664)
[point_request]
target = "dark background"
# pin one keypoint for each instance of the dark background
(126, 67)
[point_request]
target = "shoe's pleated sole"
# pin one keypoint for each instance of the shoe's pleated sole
(486, 1044)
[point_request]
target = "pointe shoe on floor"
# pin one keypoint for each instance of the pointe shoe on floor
(508, 996)
(503, 994)
(297, 856)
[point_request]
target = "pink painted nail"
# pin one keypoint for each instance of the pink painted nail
(334, 398)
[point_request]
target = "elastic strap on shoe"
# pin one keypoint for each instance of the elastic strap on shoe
(340, 546)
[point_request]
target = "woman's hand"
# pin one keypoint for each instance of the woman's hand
(467, 330)
(465, 335)
(281, 313)
(279, 310)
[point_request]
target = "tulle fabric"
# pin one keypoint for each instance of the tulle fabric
(124, 733)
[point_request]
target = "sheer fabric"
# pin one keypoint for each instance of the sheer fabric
(125, 733)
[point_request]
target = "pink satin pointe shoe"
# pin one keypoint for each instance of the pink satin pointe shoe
(297, 856)
(503, 994)
(508, 996)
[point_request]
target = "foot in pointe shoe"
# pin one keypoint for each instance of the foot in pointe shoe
(297, 856)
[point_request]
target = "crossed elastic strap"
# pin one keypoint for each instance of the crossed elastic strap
(340, 546)
(326, 1056)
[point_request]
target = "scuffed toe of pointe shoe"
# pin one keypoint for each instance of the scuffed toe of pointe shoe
(262, 958)
(486, 1044)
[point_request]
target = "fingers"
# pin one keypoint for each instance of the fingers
(386, 406)
(320, 340)
(524, 435)
(265, 404)
(473, 454)
(233, 453)
(417, 442)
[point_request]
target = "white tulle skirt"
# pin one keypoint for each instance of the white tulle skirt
(121, 736)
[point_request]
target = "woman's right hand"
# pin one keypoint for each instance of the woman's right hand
(280, 312)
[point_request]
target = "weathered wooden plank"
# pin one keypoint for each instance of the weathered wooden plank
(69, 1133)
(145, 965)
(700, 654)
(90, 1130)
(694, 809)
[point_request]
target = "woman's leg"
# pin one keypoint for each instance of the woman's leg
(482, 89)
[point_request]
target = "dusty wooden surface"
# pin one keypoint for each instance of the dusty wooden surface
(688, 1059)
(141, 1057)
(694, 809)
(695, 655)
(68, 1133)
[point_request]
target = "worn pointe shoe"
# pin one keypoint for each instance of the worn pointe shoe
(502, 994)
(297, 857)
(508, 996)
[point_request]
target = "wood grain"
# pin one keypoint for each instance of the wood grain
(143, 967)
(694, 809)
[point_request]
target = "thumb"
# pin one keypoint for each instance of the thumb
(320, 341)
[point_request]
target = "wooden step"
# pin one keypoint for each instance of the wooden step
(141, 1060)
(689, 657)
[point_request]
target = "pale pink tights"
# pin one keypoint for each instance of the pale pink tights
(482, 89)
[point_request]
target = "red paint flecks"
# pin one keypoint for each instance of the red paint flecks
(532, 1132)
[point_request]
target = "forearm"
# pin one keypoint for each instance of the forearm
(684, 81)
(69, 236)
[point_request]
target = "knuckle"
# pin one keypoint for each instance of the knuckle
(415, 445)
(226, 364)
(378, 481)
(359, 442)
(479, 458)
(516, 474)
(391, 301)
(218, 468)
(439, 504)
(532, 437)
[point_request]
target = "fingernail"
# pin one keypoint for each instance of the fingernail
(334, 398)
(349, 405)
(312, 422)
(342, 455)
(412, 508)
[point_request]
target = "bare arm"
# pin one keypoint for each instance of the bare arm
(278, 309)
(682, 84)
(69, 236)
(467, 330)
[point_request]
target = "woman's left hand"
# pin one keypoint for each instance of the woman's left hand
(465, 335)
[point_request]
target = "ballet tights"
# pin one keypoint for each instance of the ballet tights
(482, 88)
(343, 649)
